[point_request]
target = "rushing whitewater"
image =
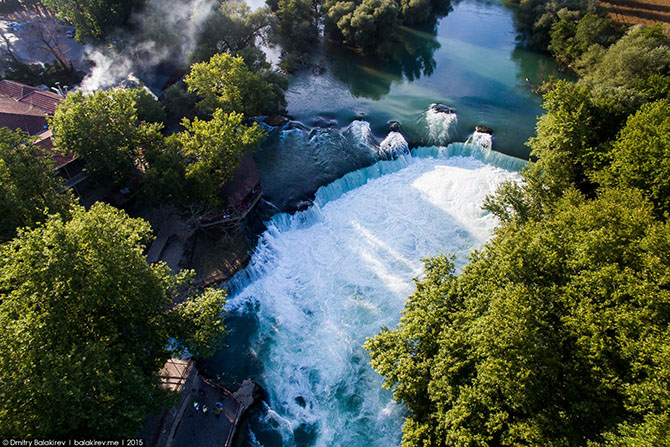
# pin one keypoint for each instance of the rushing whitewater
(482, 139)
(441, 126)
(393, 146)
(324, 279)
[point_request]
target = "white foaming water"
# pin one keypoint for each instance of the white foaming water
(394, 145)
(441, 126)
(482, 139)
(361, 131)
(327, 278)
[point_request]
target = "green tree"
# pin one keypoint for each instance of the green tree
(555, 334)
(230, 29)
(93, 18)
(214, 148)
(29, 187)
(165, 177)
(536, 18)
(641, 53)
(567, 142)
(86, 325)
(571, 36)
(103, 129)
(640, 157)
(147, 106)
(296, 27)
(227, 83)
(364, 24)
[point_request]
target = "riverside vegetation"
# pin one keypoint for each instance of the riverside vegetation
(558, 331)
(86, 322)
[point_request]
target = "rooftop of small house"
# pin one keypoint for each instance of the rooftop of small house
(27, 108)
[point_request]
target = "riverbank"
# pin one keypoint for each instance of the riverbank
(214, 254)
(205, 411)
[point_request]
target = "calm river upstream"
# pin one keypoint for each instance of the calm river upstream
(373, 205)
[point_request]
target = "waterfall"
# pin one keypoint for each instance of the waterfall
(485, 140)
(441, 126)
(322, 280)
(393, 145)
(282, 222)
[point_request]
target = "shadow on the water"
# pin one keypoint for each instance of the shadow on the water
(408, 56)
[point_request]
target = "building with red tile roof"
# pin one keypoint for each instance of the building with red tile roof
(27, 108)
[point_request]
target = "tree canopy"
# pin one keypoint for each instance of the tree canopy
(86, 324)
(225, 82)
(29, 187)
(93, 18)
(104, 129)
(231, 28)
(640, 157)
(557, 333)
(214, 148)
(639, 54)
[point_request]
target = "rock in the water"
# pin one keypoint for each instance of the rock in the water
(275, 120)
(249, 393)
(395, 126)
(323, 122)
(295, 125)
(484, 129)
(441, 108)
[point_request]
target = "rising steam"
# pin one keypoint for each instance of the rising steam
(166, 33)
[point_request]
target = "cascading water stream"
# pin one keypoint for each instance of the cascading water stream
(322, 280)
(393, 146)
(441, 126)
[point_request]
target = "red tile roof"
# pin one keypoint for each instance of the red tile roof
(14, 90)
(46, 101)
(24, 107)
(45, 142)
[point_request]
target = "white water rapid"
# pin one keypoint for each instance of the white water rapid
(441, 126)
(482, 139)
(322, 280)
(393, 145)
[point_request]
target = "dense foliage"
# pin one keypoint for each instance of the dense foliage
(361, 23)
(556, 334)
(29, 187)
(640, 157)
(231, 28)
(93, 18)
(226, 82)
(214, 149)
(86, 324)
(104, 129)
(536, 18)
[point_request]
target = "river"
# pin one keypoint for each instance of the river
(323, 279)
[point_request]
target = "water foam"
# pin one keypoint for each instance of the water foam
(482, 139)
(393, 145)
(441, 126)
(325, 279)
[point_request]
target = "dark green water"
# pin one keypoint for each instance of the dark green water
(469, 60)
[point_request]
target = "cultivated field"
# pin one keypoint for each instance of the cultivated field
(646, 12)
